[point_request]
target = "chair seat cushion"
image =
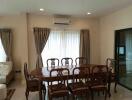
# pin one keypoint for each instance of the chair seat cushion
(2, 79)
(5, 68)
(58, 89)
(99, 87)
(3, 91)
(97, 82)
(33, 85)
(78, 87)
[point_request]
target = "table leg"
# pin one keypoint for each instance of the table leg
(40, 90)
(109, 84)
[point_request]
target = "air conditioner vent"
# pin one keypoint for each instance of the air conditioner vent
(61, 20)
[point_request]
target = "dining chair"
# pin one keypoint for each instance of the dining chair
(99, 80)
(52, 62)
(79, 86)
(32, 83)
(66, 61)
(57, 85)
(81, 60)
(111, 64)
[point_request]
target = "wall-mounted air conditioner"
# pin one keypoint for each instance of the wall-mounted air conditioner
(61, 20)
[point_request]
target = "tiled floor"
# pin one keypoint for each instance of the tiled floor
(127, 80)
(122, 93)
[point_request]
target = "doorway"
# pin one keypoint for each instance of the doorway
(123, 55)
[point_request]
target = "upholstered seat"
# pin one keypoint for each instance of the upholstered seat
(99, 87)
(3, 91)
(6, 72)
(53, 89)
(2, 79)
(78, 87)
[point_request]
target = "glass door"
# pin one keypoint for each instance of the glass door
(123, 55)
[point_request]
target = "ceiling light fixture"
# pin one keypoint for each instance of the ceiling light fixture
(41, 9)
(88, 13)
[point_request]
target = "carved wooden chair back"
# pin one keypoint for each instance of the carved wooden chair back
(81, 60)
(81, 74)
(100, 74)
(60, 76)
(52, 62)
(111, 64)
(66, 61)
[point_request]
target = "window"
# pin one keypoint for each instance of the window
(61, 44)
(2, 53)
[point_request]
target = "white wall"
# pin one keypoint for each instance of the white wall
(108, 24)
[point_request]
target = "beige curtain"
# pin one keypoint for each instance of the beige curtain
(6, 38)
(41, 36)
(85, 44)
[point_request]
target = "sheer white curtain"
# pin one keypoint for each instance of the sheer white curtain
(61, 44)
(2, 53)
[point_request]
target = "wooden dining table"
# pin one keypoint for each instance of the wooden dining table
(43, 74)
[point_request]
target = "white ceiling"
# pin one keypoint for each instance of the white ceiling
(67, 7)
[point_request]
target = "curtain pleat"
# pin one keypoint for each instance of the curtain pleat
(6, 38)
(84, 48)
(41, 36)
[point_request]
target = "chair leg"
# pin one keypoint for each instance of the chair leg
(105, 94)
(115, 87)
(67, 97)
(87, 96)
(98, 93)
(63, 98)
(27, 94)
(92, 95)
(73, 97)
(44, 92)
(49, 96)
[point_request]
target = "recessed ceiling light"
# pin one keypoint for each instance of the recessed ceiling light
(88, 13)
(41, 9)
